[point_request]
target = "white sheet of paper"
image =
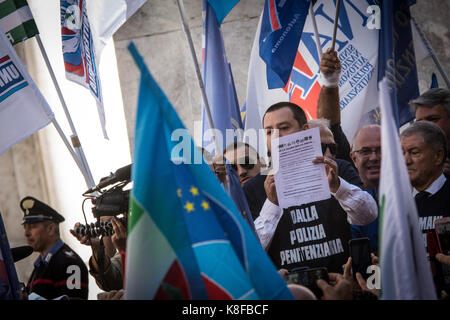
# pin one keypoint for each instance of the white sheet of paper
(297, 179)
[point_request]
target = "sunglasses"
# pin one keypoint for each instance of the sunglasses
(331, 146)
(244, 163)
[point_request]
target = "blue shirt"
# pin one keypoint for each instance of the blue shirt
(46, 259)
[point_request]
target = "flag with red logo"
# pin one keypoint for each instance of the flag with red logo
(357, 48)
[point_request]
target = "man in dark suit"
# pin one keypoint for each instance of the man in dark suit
(425, 149)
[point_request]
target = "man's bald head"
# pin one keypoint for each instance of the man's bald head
(366, 154)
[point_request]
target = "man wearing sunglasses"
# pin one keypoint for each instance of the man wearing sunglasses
(244, 160)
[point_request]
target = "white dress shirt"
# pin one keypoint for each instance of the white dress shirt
(434, 187)
(360, 206)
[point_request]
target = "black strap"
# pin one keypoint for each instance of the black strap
(101, 257)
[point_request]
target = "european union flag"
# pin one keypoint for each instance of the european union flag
(186, 239)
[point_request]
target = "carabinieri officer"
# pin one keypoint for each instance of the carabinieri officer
(58, 272)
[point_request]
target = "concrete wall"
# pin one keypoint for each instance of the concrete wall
(433, 17)
(156, 31)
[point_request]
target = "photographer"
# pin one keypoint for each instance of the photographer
(107, 275)
(108, 251)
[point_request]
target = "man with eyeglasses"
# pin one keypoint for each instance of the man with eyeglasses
(425, 149)
(366, 155)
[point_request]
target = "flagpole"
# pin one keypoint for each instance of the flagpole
(336, 19)
(432, 54)
(83, 164)
(316, 30)
(69, 147)
(197, 70)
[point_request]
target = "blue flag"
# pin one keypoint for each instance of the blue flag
(237, 194)
(218, 81)
(434, 81)
(222, 8)
(183, 226)
(396, 59)
(9, 283)
(281, 29)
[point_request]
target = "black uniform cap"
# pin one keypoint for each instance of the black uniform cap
(37, 211)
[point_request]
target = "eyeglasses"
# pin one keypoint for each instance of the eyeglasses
(331, 146)
(366, 152)
(244, 163)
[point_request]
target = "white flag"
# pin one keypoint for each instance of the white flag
(106, 17)
(357, 48)
(23, 109)
(86, 26)
(405, 270)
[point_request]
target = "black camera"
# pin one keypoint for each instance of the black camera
(112, 201)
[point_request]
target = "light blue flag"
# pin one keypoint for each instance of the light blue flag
(218, 81)
(183, 226)
(222, 8)
(237, 194)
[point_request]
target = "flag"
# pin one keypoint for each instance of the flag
(23, 110)
(281, 28)
(219, 84)
(405, 270)
(237, 194)
(186, 238)
(17, 21)
(9, 283)
(80, 60)
(86, 27)
(357, 48)
(222, 8)
(106, 17)
(434, 81)
(396, 58)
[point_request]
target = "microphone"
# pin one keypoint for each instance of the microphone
(121, 174)
(20, 253)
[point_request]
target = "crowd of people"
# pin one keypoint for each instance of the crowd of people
(312, 235)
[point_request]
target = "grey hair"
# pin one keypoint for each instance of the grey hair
(432, 98)
(47, 222)
(431, 134)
